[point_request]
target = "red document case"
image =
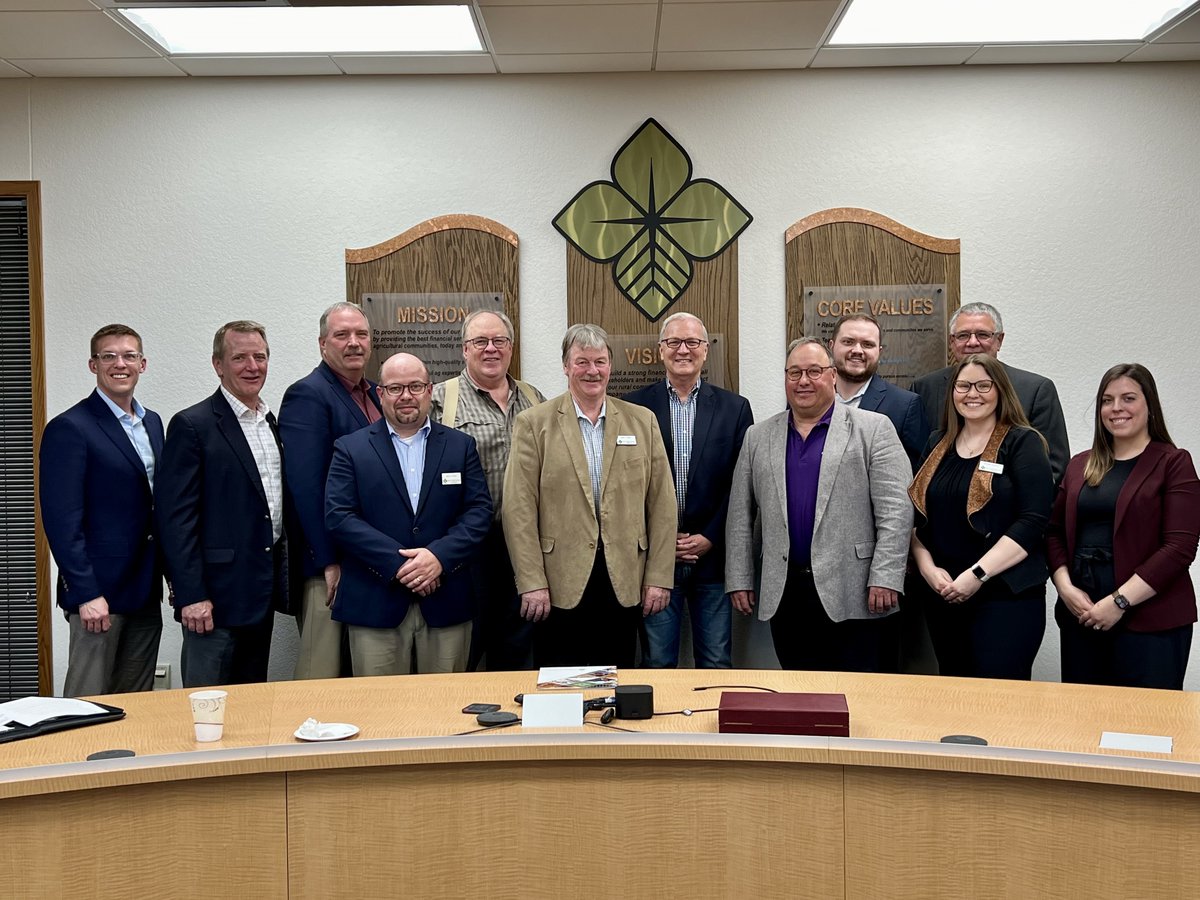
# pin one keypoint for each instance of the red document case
(755, 713)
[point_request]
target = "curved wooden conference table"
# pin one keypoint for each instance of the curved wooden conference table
(409, 808)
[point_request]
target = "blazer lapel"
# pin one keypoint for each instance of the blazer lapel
(612, 425)
(837, 439)
(344, 397)
(115, 432)
(706, 403)
(1133, 484)
(873, 396)
(231, 430)
(569, 432)
(662, 410)
(435, 446)
(381, 440)
(777, 454)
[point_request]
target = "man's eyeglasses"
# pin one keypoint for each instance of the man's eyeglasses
(690, 343)
(964, 387)
(109, 358)
(480, 343)
(813, 372)
(396, 390)
(962, 337)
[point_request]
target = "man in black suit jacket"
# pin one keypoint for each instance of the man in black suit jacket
(333, 400)
(857, 344)
(220, 504)
(98, 461)
(702, 427)
(977, 328)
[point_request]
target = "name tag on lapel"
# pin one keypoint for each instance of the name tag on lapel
(626, 440)
(993, 467)
(452, 478)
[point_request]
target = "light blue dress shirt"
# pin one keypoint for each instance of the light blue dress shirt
(411, 453)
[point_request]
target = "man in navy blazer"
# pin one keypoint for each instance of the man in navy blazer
(220, 501)
(857, 344)
(978, 328)
(333, 400)
(97, 468)
(702, 428)
(408, 506)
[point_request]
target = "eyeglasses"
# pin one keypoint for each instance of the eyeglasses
(109, 358)
(964, 387)
(690, 343)
(962, 337)
(813, 372)
(480, 343)
(397, 390)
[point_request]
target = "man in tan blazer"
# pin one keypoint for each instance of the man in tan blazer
(589, 514)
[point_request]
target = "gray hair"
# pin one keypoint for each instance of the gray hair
(680, 316)
(241, 326)
(337, 307)
(587, 337)
(475, 314)
(808, 339)
(978, 309)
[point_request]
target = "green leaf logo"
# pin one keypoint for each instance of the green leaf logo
(652, 221)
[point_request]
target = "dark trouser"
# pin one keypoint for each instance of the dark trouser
(994, 634)
(806, 638)
(116, 661)
(499, 636)
(1146, 659)
(597, 632)
(916, 647)
(236, 655)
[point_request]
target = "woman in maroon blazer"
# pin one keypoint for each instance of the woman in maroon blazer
(1122, 536)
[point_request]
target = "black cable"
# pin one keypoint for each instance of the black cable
(687, 712)
(613, 727)
(744, 687)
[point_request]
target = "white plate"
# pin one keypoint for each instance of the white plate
(330, 731)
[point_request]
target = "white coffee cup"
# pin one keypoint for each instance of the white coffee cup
(208, 714)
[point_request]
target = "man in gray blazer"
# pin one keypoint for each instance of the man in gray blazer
(977, 328)
(830, 484)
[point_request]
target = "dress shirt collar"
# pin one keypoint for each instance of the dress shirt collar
(579, 413)
(426, 428)
(692, 393)
(241, 410)
(138, 412)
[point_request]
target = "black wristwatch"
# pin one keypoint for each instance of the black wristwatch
(978, 572)
(1119, 599)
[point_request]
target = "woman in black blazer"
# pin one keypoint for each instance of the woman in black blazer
(1122, 536)
(982, 498)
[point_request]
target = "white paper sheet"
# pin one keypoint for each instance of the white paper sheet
(31, 710)
(1140, 743)
(552, 711)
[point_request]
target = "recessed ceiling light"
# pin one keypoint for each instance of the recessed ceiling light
(286, 29)
(923, 22)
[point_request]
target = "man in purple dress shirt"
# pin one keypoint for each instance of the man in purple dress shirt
(829, 482)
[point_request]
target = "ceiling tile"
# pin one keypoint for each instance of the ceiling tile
(558, 2)
(1164, 53)
(1005, 54)
(854, 57)
(706, 60)
(1186, 32)
(66, 35)
(450, 64)
(744, 26)
(7, 71)
(257, 65)
(606, 28)
(98, 68)
(45, 5)
(575, 62)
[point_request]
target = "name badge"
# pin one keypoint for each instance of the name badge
(993, 467)
(452, 478)
(626, 440)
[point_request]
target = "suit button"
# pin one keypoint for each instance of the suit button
(416, 531)
(591, 545)
(267, 549)
(149, 537)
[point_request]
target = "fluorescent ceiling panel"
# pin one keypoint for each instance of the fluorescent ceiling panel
(285, 29)
(893, 22)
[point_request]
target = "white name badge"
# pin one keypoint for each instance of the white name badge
(452, 478)
(993, 467)
(626, 440)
